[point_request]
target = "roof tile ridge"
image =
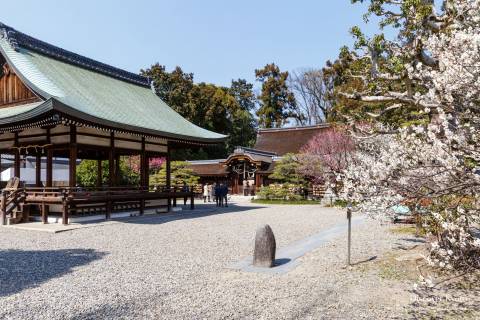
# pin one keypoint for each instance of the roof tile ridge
(19, 39)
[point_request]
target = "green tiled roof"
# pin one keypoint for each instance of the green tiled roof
(95, 96)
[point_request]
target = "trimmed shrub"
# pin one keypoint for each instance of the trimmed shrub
(286, 191)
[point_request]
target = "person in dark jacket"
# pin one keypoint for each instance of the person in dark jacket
(217, 194)
(225, 194)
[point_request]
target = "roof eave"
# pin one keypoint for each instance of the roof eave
(70, 113)
(74, 113)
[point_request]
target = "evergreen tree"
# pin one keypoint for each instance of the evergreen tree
(277, 101)
(87, 173)
(243, 93)
(172, 87)
(180, 173)
(287, 170)
(220, 109)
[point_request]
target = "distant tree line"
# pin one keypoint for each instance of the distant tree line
(237, 111)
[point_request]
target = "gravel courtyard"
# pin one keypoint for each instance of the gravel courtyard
(179, 268)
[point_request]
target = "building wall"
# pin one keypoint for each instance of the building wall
(12, 89)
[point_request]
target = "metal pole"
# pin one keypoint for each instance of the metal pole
(349, 217)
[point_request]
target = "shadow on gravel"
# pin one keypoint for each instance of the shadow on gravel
(365, 261)
(281, 261)
(414, 240)
(20, 270)
(202, 210)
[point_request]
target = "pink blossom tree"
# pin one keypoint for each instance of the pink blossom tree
(154, 163)
(326, 155)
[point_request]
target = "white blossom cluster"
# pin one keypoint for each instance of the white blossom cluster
(433, 169)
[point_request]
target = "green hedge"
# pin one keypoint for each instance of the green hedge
(286, 191)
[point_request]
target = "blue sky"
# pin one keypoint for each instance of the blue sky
(217, 40)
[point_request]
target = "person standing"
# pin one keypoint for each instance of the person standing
(210, 193)
(205, 192)
(225, 194)
(220, 195)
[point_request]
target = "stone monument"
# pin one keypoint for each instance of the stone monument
(265, 246)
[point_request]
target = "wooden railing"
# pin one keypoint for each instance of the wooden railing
(10, 200)
(96, 199)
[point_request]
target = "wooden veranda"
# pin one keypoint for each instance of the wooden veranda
(46, 197)
(17, 205)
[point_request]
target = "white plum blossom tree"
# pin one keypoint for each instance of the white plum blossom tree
(431, 71)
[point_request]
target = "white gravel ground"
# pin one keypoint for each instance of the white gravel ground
(157, 268)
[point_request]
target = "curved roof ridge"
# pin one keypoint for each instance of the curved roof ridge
(18, 40)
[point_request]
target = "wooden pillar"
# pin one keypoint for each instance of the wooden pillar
(73, 167)
(45, 212)
(168, 177)
(16, 165)
(111, 159)
(3, 208)
(111, 174)
(38, 170)
(49, 178)
(72, 181)
(49, 182)
(143, 178)
(257, 181)
(99, 173)
(143, 175)
(65, 211)
(117, 170)
(147, 171)
(109, 206)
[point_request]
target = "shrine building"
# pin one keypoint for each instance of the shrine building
(58, 104)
